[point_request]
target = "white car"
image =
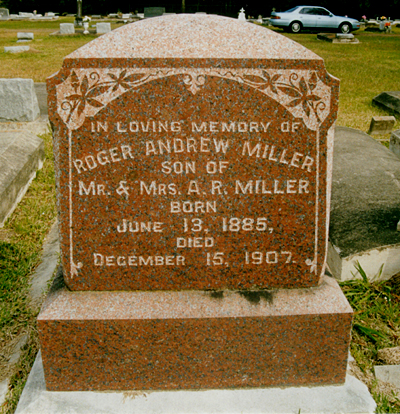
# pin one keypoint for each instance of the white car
(312, 17)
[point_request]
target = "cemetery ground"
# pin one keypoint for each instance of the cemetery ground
(364, 70)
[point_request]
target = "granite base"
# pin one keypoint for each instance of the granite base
(194, 339)
(352, 397)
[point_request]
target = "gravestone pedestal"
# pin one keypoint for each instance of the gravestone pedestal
(193, 179)
(194, 339)
(351, 397)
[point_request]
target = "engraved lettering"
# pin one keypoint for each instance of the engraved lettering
(188, 167)
(272, 187)
(189, 242)
(193, 207)
(131, 260)
(296, 159)
(155, 188)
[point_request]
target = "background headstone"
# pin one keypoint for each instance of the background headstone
(381, 125)
(18, 101)
(388, 100)
(67, 28)
(25, 36)
(16, 49)
(102, 28)
(365, 207)
(4, 14)
(153, 11)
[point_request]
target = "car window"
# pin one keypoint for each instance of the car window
(291, 10)
(320, 12)
(306, 10)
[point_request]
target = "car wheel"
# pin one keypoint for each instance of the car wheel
(345, 28)
(295, 27)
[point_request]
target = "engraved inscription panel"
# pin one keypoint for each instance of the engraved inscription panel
(193, 180)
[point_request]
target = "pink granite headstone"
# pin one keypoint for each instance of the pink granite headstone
(193, 153)
(193, 161)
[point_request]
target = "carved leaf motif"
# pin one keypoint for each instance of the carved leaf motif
(306, 107)
(97, 90)
(273, 81)
(303, 86)
(255, 79)
(74, 81)
(312, 82)
(289, 90)
(294, 103)
(80, 107)
(84, 85)
(93, 102)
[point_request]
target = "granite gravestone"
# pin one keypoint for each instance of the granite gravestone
(388, 100)
(153, 12)
(67, 28)
(187, 167)
(226, 191)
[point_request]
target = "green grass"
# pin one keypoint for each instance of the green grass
(47, 51)
(364, 70)
(376, 325)
(21, 241)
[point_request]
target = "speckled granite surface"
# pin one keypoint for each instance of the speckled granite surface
(193, 339)
(193, 36)
(193, 159)
(194, 153)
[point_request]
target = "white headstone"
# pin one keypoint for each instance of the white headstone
(103, 28)
(18, 100)
(16, 49)
(25, 36)
(67, 28)
(4, 14)
(242, 15)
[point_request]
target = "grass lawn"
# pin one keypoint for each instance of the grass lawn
(365, 70)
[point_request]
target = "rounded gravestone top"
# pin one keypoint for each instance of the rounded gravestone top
(192, 36)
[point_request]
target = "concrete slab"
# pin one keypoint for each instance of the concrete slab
(394, 143)
(352, 397)
(44, 272)
(3, 390)
(365, 207)
(388, 373)
(21, 155)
